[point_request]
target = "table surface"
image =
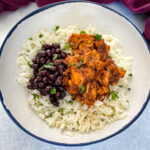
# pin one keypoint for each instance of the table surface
(136, 137)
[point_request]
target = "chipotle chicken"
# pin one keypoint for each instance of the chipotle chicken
(90, 70)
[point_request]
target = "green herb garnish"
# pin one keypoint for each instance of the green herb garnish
(28, 50)
(73, 64)
(39, 103)
(80, 63)
(98, 36)
(72, 44)
(61, 110)
(56, 28)
(66, 47)
(83, 32)
(121, 86)
(50, 115)
(40, 35)
(130, 74)
(35, 96)
(55, 57)
(113, 95)
(70, 102)
(53, 91)
(82, 88)
(129, 89)
(29, 64)
(50, 65)
(40, 69)
(30, 38)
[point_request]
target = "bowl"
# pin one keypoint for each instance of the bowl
(107, 21)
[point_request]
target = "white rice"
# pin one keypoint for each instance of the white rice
(75, 117)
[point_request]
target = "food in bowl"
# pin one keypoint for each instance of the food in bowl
(77, 80)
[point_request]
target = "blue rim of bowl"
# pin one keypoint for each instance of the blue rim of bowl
(57, 143)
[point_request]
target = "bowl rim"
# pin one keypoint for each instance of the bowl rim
(59, 143)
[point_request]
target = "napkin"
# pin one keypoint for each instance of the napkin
(137, 6)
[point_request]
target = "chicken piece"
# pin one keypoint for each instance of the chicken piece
(76, 77)
(89, 96)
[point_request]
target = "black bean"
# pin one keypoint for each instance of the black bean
(31, 80)
(54, 102)
(51, 77)
(43, 92)
(47, 89)
(46, 46)
(50, 82)
(63, 94)
(49, 52)
(58, 94)
(57, 62)
(52, 50)
(45, 80)
(34, 60)
(35, 82)
(63, 55)
(37, 60)
(42, 60)
(58, 80)
(57, 51)
(35, 72)
(40, 85)
(48, 61)
(56, 45)
(43, 73)
(61, 88)
(34, 66)
(56, 74)
(39, 78)
(60, 68)
(53, 69)
(30, 86)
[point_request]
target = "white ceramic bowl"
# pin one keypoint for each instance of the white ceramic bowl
(106, 21)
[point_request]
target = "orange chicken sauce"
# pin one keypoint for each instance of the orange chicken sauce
(90, 70)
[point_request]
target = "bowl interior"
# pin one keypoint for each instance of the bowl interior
(64, 14)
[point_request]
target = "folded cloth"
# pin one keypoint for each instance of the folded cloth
(137, 6)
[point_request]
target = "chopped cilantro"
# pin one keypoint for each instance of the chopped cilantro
(53, 91)
(66, 47)
(50, 65)
(28, 50)
(73, 64)
(55, 57)
(28, 63)
(40, 35)
(83, 32)
(80, 63)
(130, 74)
(82, 88)
(113, 95)
(30, 38)
(70, 102)
(35, 96)
(61, 110)
(98, 36)
(39, 103)
(129, 89)
(121, 86)
(72, 44)
(56, 28)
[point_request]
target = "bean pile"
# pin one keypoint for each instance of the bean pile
(48, 67)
